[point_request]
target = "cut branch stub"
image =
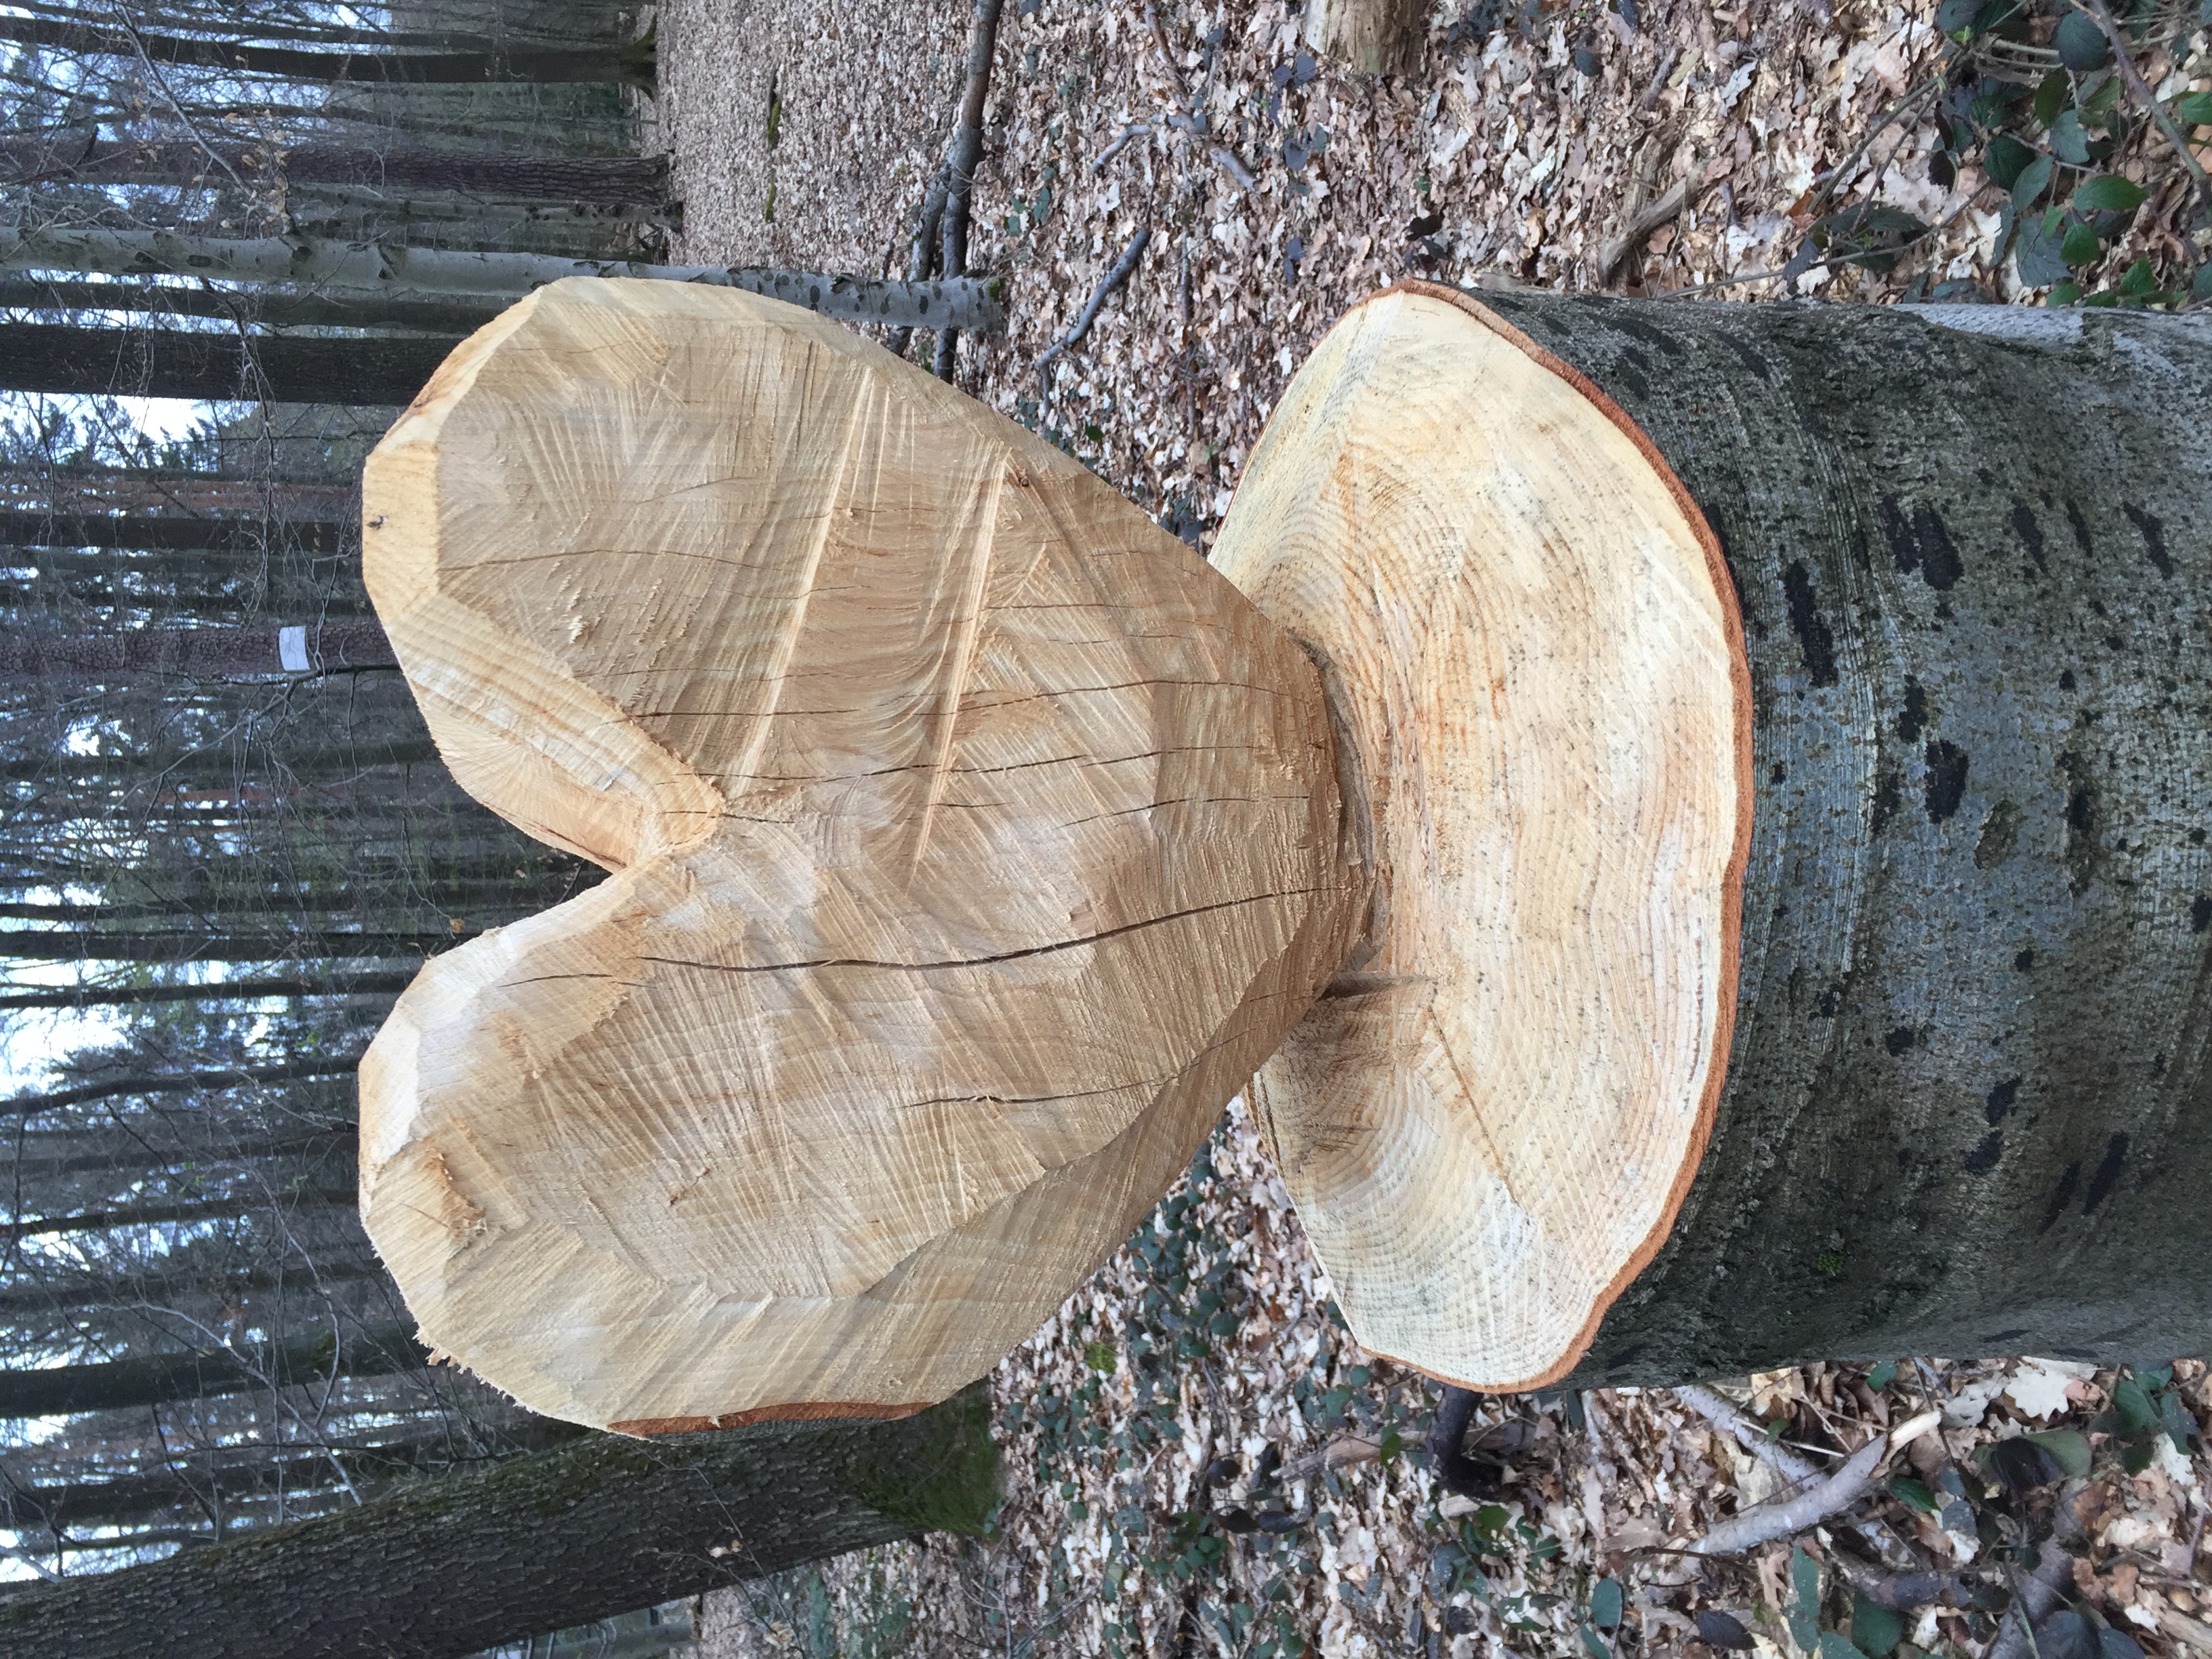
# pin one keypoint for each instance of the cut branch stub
(973, 840)
(1487, 1125)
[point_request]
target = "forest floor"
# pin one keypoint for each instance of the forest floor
(1200, 1458)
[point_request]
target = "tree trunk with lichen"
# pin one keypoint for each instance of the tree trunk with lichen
(452, 1567)
(1968, 1106)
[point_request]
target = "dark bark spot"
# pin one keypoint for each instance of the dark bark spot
(2001, 1098)
(1946, 779)
(2006, 1336)
(2080, 531)
(2025, 961)
(2108, 1174)
(1940, 564)
(1914, 720)
(1751, 359)
(1898, 533)
(1796, 985)
(1643, 331)
(2031, 537)
(1922, 543)
(1983, 1158)
(1635, 383)
(2196, 838)
(1888, 795)
(2061, 1196)
(1627, 1355)
(1810, 626)
(2200, 914)
(2153, 535)
(1777, 773)
(1831, 1000)
(2066, 679)
(2082, 852)
(2000, 831)
(1898, 1039)
(1636, 360)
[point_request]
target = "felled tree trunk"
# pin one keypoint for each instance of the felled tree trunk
(453, 1567)
(1965, 945)
(1967, 1106)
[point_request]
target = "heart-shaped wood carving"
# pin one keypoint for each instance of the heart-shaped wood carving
(973, 843)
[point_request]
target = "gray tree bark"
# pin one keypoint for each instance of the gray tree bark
(1968, 1108)
(613, 181)
(449, 1567)
(156, 1379)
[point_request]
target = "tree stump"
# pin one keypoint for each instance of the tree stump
(1705, 806)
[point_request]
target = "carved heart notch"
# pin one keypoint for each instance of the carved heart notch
(972, 843)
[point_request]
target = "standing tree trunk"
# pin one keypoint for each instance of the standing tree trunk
(234, 652)
(630, 63)
(30, 527)
(449, 1567)
(170, 363)
(623, 180)
(157, 1379)
(272, 308)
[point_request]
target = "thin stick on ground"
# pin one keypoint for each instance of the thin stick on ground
(1131, 256)
(966, 154)
(922, 258)
(2101, 15)
(1767, 1523)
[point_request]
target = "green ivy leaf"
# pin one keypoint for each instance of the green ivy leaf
(2005, 159)
(2080, 247)
(2069, 1449)
(2110, 194)
(2137, 1415)
(2063, 294)
(2068, 142)
(2139, 283)
(1805, 1607)
(1874, 1629)
(2080, 44)
(2195, 109)
(1592, 1643)
(1910, 1493)
(1835, 1645)
(1606, 1603)
(2034, 178)
(2053, 95)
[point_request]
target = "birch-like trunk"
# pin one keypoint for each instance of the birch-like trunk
(964, 302)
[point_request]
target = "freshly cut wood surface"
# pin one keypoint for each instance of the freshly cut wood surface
(973, 843)
(1487, 1124)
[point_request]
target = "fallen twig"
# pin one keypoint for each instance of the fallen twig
(1668, 59)
(1128, 136)
(1906, 1592)
(1192, 122)
(964, 155)
(1456, 1471)
(1749, 1433)
(1786, 1518)
(1676, 199)
(1113, 279)
(921, 258)
(1341, 1453)
(2045, 1589)
(2100, 14)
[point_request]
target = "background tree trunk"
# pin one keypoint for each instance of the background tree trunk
(156, 1379)
(629, 63)
(170, 363)
(618, 181)
(1968, 1108)
(447, 1568)
(455, 316)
